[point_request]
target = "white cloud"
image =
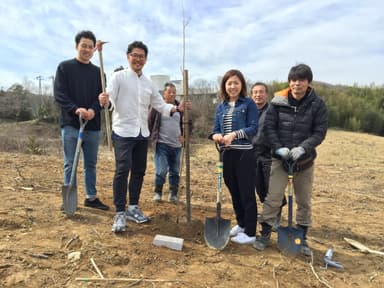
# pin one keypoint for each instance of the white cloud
(340, 41)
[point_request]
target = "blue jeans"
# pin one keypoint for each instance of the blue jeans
(130, 156)
(90, 148)
(167, 159)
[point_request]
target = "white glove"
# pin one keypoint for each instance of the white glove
(283, 152)
(297, 152)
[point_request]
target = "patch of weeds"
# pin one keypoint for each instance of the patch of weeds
(34, 146)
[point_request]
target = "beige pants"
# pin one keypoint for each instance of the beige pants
(302, 183)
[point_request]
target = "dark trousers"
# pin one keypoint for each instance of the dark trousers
(130, 156)
(262, 172)
(238, 172)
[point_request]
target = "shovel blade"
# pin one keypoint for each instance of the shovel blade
(290, 240)
(216, 232)
(69, 194)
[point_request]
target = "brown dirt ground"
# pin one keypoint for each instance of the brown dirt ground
(347, 202)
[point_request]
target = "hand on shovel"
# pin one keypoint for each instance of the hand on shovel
(104, 99)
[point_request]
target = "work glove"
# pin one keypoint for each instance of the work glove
(283, 152)
(297, 152)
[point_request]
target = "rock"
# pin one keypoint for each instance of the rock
(74, 256)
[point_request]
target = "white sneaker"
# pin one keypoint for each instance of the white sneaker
(157, 197)
(236, 230)
(136, 215)
(172, 198)
(242, 238)
(119, 222)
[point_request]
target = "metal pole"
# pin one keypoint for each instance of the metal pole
(186, 136)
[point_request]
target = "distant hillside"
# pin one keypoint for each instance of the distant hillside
(351, 108)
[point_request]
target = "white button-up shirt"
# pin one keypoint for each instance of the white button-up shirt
(131, 96)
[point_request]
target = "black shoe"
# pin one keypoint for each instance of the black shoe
(284, 202)
(262, 242)
(96, 203)
(305, 250)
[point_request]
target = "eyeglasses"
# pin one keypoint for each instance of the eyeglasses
(137, 56)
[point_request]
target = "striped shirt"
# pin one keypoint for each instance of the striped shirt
(228, 129)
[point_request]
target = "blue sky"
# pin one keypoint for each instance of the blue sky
(343, 41)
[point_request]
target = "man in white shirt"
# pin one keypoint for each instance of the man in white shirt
(129, 95)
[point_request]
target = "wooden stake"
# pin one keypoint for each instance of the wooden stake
(186, 145)
(99, 46)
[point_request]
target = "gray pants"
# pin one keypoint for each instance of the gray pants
(302, 183)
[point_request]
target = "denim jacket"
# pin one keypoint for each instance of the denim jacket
(244, 119)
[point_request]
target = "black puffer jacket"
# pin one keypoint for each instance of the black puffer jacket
(291, 126)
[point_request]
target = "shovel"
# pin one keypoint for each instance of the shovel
(290, 239)
(69, 192)
(216, 229)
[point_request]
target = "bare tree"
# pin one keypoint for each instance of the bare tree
(202, 86)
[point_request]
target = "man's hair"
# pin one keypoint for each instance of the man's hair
(260, 84)
(300, 72)
(87, 35)
(229, 74)
(138, 44)
(169, 84)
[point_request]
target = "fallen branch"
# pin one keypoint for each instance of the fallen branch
(318, 240)
(97, 268)
(41, 256)
(124, 280)
(362, 247)
(137, 282)
(317, 276)
(71, 240)
(274, 277)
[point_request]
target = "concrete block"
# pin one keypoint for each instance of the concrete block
(169, 242)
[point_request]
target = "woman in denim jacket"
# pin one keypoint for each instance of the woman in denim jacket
(236, 122)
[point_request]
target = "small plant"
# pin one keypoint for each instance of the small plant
(34, 147)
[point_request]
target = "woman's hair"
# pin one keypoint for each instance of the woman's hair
(229, 74)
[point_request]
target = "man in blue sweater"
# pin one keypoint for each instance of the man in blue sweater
(76, 89)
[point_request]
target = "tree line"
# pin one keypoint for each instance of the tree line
(352, 108)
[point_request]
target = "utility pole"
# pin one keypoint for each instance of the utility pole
(53, 84)
(39, 78)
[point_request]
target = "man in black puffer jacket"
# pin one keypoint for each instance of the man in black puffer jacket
(296, 123)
